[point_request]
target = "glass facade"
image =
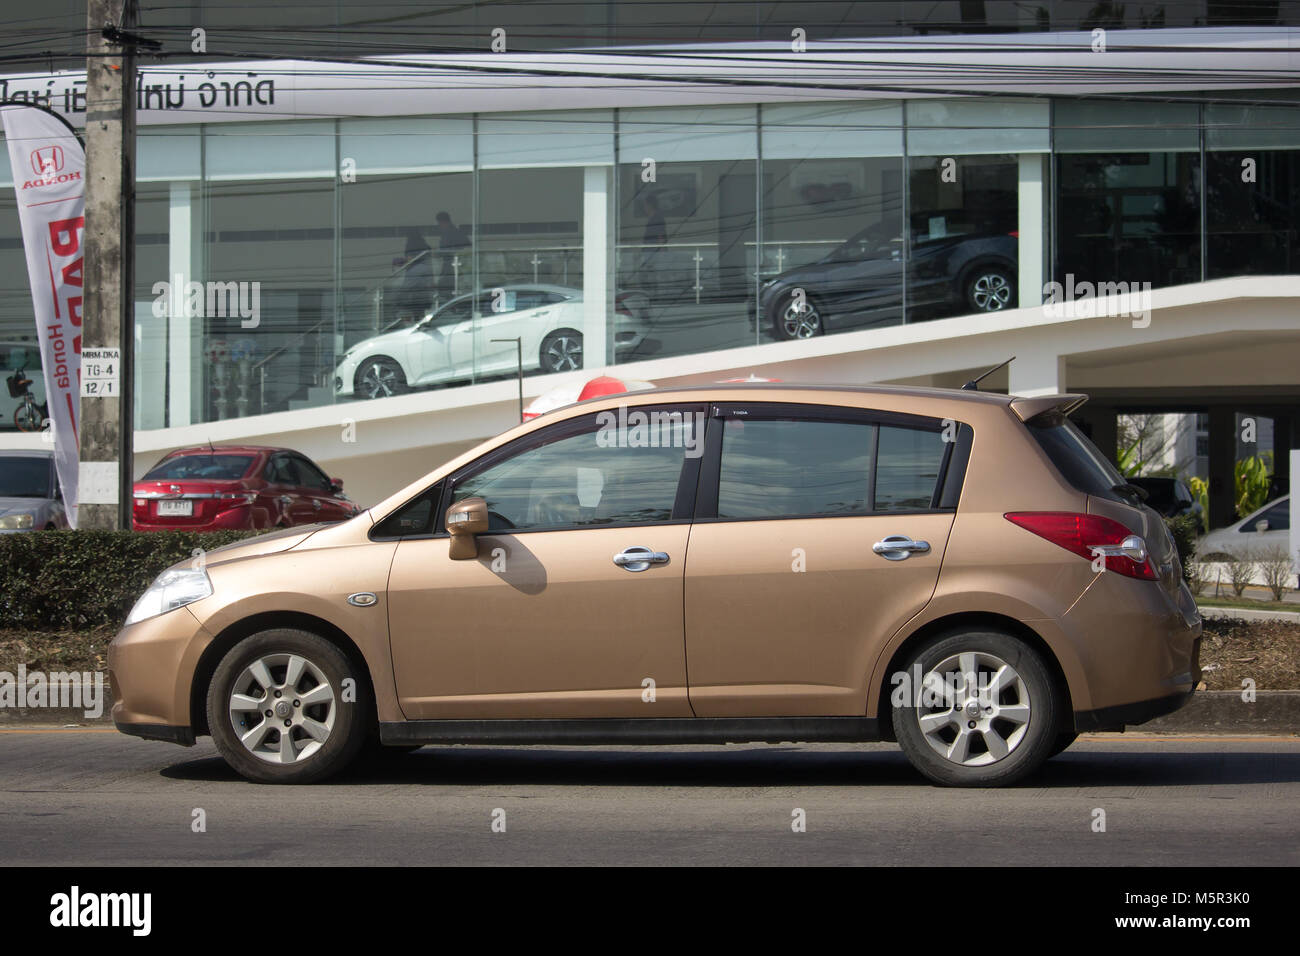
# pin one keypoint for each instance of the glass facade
(284, 265)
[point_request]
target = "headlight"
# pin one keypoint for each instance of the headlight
(16, 522)
(170, 590)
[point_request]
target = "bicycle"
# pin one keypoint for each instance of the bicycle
(29, 416)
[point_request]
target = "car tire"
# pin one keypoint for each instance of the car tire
(969, 744)
(1063, 741)
(380, 377)
(789, 324)
(270, 667)
(561, 351)
(989, 288)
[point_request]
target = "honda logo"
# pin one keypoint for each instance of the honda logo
(47, 160)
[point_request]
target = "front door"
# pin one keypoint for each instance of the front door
(573, 607)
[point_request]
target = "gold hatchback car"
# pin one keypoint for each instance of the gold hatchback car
(959, 571)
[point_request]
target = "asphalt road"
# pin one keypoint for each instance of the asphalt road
(78, 797)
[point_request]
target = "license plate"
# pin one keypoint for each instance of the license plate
(175, 508)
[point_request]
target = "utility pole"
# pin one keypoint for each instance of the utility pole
(108, 319)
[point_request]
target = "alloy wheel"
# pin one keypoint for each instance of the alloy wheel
(976, 709)
(990, 292)
(563, 353)
(801, 321)
(282, 708)
(380, 380)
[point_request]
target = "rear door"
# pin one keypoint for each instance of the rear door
(819, 531)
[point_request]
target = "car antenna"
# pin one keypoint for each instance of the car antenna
(974, 384)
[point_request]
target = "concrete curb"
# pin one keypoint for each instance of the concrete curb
(1249, 614)
(1224, 712)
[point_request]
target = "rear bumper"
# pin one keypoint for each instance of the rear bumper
(1124, 715)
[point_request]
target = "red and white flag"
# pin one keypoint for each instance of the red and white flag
(49, 169)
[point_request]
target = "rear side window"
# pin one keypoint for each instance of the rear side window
(1078, 460)
(775, 469)
(794, 467)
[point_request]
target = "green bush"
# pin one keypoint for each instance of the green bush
(78, 580)
(1185, 528)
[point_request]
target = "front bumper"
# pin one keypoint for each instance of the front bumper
(151, 669)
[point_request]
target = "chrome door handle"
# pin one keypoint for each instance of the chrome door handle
(896, 547)
(638, 559)
(285, 500)
(315, 503)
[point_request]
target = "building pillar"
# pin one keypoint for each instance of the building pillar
(184, 332)
(1223, 456)
(597, 263)
(1036, 373)
(1033, 230)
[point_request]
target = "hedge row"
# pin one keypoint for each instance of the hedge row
(80, 580)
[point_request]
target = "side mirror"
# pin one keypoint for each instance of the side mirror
(464, 520)
(1261, 525)
(336, 485)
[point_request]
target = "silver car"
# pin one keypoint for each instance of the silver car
(30, 497)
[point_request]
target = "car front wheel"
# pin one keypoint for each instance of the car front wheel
(287, 706)
(796, 318)
(985, 713)
(379, 378)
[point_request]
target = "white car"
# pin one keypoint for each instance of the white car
(1261, 531)
(454, 343)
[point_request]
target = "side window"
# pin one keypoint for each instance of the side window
(1278, 517)
(418, 516)
(908, 463)
(309, 476)
(603, 475)
(792, 467)
(279, 472)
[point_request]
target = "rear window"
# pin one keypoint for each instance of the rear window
(201, 467)
(1078, 460)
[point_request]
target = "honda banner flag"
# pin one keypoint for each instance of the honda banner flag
(49, 168)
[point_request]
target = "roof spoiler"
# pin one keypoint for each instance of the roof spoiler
(1029, 408)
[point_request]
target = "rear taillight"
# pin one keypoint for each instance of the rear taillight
(1091, 537)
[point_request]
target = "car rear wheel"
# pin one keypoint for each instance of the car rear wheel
(561, 351)
(796, 318)
(990, 289)
(985, 714)
(380, 377)
(287, 706)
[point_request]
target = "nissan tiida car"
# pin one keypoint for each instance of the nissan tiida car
(958, 571)
(455, 342)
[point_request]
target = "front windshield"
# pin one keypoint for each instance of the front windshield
(24, 478)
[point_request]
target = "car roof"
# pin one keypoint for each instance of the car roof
(732, 390)
(226, 450)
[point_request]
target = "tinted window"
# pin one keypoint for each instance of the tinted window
(1077, 459)
(596, 477)
(279, 471)
(309, 476)
(1278, 518)
(415, 517)
(202, 467)
(25, 478)
(786, 468)
(907, 468)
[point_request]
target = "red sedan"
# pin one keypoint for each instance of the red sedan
(237, 486)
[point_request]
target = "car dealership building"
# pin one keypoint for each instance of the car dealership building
(894, 200)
